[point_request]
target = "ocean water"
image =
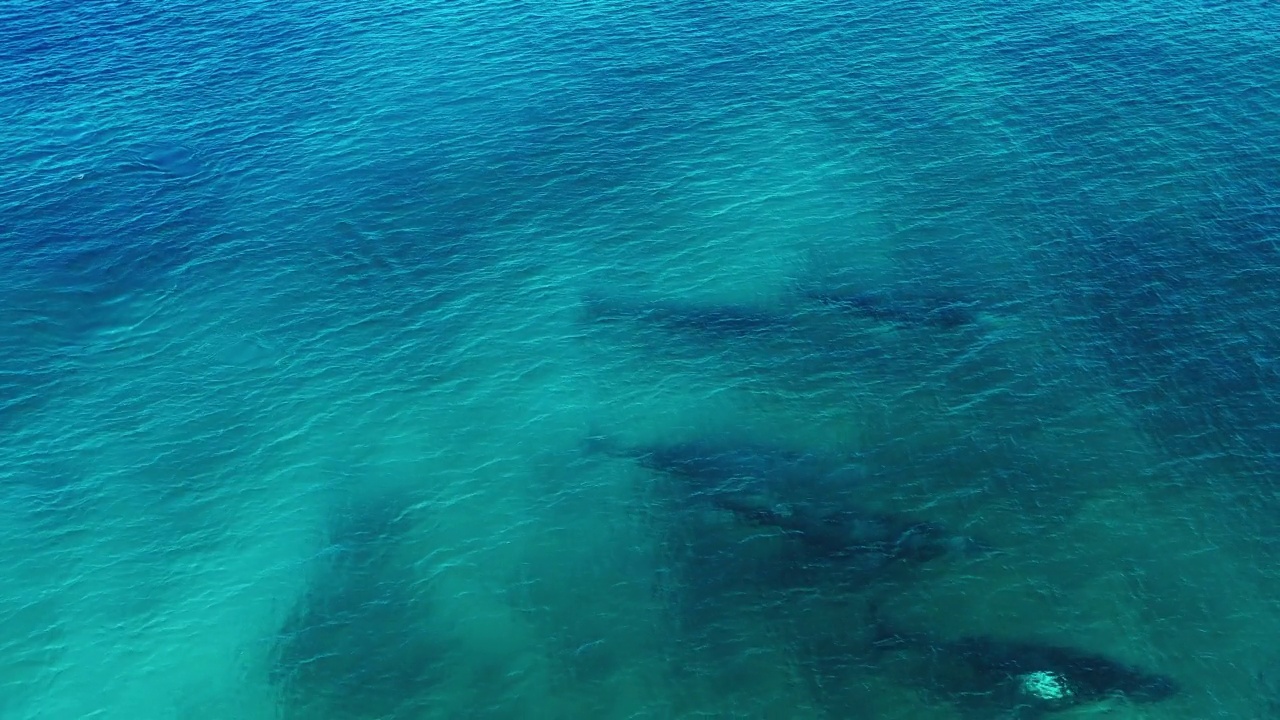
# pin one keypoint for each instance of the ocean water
(309, 313)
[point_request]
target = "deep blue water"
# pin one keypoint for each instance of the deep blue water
(315, 319)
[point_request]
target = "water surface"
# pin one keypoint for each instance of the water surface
(299, 367)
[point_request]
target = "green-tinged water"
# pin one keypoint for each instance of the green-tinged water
(340, 346)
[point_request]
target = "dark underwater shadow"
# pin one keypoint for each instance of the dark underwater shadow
(798, 344)
(359, 644)
(985, 676)
(750, 531)
(89, 248)
(1184, 315)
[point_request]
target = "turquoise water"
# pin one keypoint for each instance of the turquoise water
(300, 363)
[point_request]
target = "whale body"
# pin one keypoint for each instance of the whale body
(941, 312)
(792, 492)
(989, 676)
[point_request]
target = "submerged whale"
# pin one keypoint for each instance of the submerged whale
(872, 538)
(930, 311)
(784, 490)
(716, 320)
(990, 677)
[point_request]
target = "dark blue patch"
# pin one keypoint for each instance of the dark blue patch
(171, 159)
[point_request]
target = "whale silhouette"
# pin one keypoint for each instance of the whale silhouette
(708, 319)
(931, 311)
(986, 676)
(789, 491)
